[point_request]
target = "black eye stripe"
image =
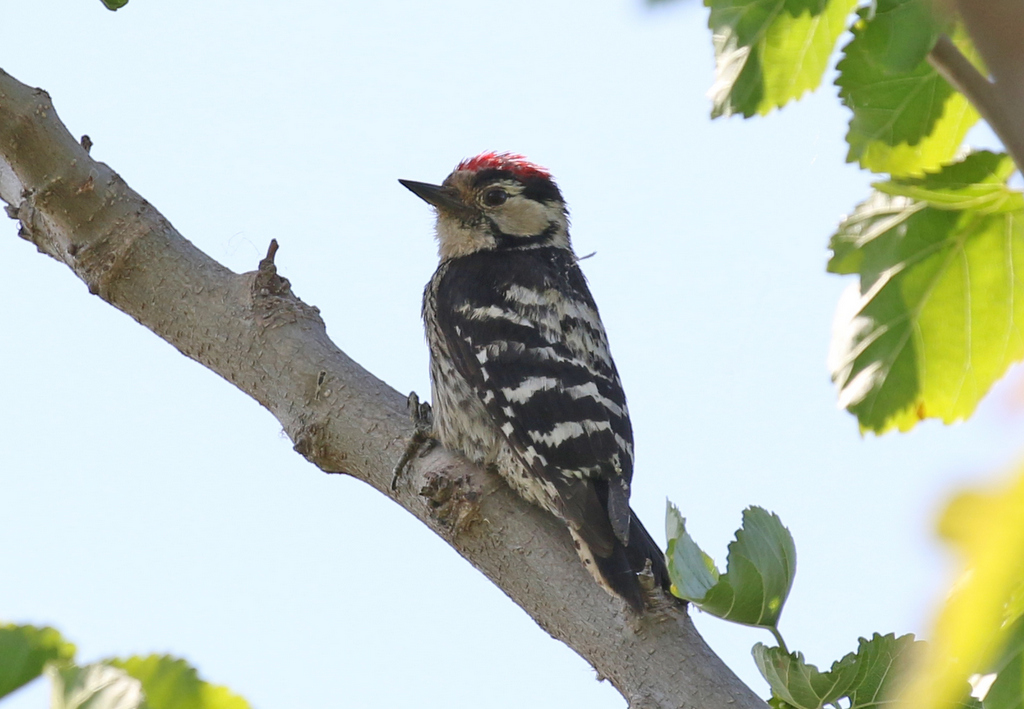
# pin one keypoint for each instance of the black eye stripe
(517, 241)
(535, 187)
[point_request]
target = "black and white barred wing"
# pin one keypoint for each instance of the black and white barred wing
(525, 333)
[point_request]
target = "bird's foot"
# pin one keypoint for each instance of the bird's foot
(453, 501)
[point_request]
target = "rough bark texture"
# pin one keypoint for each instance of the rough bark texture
(250, 329)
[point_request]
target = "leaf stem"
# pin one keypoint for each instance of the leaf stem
(778, 639)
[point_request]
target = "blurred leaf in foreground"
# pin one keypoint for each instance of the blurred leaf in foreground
(172, 683)
(975, 627)
(25, 650)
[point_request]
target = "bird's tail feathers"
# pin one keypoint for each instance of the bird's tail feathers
(618, 571)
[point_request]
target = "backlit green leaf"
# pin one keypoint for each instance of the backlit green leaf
(769, 52)
(171, 683)
(97, 686)
(978, 183)
(936, 318)
(906, 118)
(25, 650)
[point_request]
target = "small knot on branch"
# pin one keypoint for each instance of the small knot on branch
(272, 299)
(268, 260)
(267, 281)
(313, 443)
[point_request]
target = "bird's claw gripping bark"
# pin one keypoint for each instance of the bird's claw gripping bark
(422, 440)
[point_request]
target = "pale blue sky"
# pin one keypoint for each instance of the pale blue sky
(148, 506)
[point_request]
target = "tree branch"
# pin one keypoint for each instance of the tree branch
(250, 329)
(996, 28)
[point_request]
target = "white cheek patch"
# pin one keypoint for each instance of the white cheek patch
(521, 217)
(526, 217)
(455, 239)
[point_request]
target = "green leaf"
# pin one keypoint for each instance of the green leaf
(776, 703)
(97, 686)
(1014, 610)
(759, 573)
(906, 118)
(115, 4)
(25, 650)
(760, 569)
(874, 676)
(801, 685)
(769, 52)
(978, 183)
(171, 683)
(895, 36)
(693, 572)
(1007, 691)
(873, 218)
(886, 665)
(881, 664)
(935, 319)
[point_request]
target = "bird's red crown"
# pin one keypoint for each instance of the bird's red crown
(516, 164)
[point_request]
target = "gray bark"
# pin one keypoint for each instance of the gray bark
(252, 330)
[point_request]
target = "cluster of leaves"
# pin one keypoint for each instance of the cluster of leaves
(906, 118)
(867, 678)
(760, 568)
(759, 574)
(930, 326)
(932, 323)
(153, 682)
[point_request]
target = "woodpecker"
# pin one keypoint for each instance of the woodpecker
(521, 374)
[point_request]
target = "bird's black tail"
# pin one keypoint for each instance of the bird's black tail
(619, 570)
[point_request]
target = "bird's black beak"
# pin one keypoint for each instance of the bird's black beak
(444, 198)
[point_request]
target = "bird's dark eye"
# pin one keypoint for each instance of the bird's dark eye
(495, 197)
